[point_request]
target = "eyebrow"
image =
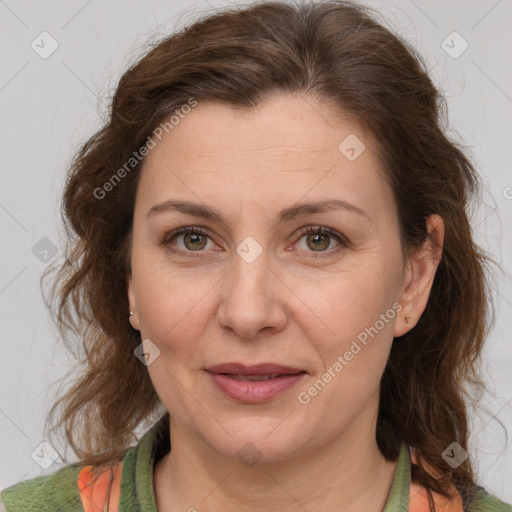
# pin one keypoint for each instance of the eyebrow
(287, 214)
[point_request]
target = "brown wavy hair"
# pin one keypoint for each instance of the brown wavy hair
(335, 53)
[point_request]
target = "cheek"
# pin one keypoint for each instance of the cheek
(354, 348)
(348, 304)
(356, 340)
(172, 311)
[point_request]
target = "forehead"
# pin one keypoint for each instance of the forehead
(282, 125)
(286, 148)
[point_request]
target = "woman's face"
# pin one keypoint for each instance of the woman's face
(256, 288)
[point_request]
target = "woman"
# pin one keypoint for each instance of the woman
(272, 246)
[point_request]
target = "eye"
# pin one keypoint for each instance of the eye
(194, 240)
(319, 239)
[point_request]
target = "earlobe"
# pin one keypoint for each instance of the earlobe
(419, 277)
(132, 315)
(403, 321)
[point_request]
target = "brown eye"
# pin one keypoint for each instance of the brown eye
(193, 240)
(319, 239)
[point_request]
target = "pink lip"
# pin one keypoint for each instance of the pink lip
(254, 391)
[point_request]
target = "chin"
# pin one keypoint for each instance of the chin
(252, 443)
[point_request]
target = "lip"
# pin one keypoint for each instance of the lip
(252, 392)
(256, 369)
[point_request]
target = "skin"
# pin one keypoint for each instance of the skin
(287, 306)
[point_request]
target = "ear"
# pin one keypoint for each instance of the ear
(419, 276)
(134, 318)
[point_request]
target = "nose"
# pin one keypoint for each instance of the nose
(253, 299)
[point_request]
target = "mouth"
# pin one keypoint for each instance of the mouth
(254, 383)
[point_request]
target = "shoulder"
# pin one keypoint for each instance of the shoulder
(46, 493)
(485, 502)
(474, 499)
(70, 489)
(81, 488)
(477, 500)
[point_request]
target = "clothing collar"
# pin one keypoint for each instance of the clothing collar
(398, 497)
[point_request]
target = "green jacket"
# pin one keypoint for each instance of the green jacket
(58, 492)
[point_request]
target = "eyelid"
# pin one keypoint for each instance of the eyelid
(324, 230)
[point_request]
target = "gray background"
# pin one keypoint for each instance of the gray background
(48, 106)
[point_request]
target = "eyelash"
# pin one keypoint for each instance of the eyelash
(317, 230)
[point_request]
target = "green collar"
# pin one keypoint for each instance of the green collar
(137, 493)
(398, 498)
